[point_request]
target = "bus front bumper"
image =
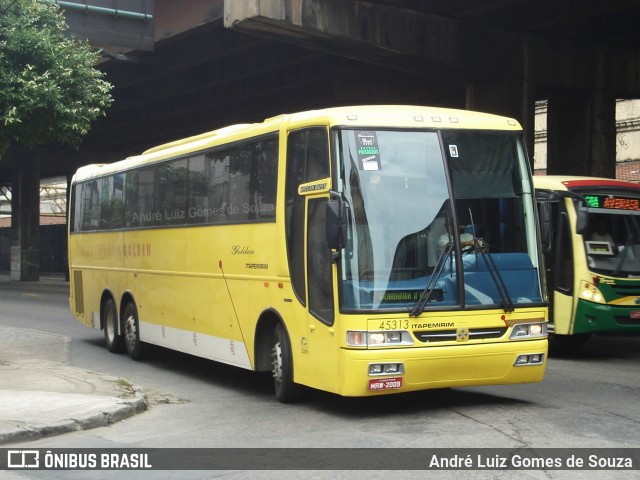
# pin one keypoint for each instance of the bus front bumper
(598, 318)
(422, 368)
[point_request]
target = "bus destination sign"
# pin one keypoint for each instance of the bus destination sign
(612, 202)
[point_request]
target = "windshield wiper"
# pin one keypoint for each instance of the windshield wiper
(433, 281)
(492, 268)
(498, 281)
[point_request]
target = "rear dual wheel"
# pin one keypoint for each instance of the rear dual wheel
(112, 339)
(136, 349)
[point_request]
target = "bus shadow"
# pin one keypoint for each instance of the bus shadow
(405, 403)
(246, 382)
(259, 385)
(599, 347)
(198, 369)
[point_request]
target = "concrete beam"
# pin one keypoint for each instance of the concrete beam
(459, 51)
(364, 31)
(569, 65)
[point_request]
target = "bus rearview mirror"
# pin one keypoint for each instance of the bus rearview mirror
(582, 220)
(335, 224)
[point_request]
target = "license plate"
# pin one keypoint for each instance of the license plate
(378, 384)
(635, 314)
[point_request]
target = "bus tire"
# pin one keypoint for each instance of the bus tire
(136, 349)
(282, 367)
(112, 339)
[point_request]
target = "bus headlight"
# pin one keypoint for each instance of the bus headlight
(528, 330)
(591, 293)
(394, 337)
(376, 338)
(357, 338)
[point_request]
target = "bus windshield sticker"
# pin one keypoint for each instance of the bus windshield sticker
(368, 151)
(453, 151)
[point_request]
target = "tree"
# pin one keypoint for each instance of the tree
(49, 89)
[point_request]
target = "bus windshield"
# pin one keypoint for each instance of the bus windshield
(441, 219)
(612, 243)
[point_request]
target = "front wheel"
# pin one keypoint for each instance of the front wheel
(135, 348)
(282, 367)
(112, 339)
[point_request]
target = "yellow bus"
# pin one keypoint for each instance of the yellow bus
(591, 237)
(315, 245)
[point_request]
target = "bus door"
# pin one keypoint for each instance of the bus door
(323, 342)
(559, 263)
(306, 195)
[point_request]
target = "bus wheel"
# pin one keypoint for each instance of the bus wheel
(282, 367)
(135, 348)
(113, 341)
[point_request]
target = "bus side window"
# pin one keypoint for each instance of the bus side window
(91, 205)
(139, 191)
(131, 200)
(171, 192)
(111, 202)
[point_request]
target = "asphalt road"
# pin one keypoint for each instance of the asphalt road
(588, 399)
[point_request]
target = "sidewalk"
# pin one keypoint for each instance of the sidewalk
(47, 282)
(41, 396)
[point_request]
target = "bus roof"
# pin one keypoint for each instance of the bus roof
(564, 182)
(363, 116)
(410, 116)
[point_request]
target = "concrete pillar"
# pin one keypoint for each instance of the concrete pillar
(511, 96)
(581, 134)
(567, 134)
(603, 134)
(581, 125)
(25, 217)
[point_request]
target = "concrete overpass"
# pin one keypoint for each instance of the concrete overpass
(219, 62)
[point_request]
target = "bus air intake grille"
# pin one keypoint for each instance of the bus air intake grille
(626, 290)
(627, 321)
(452, 335)
(79, 292)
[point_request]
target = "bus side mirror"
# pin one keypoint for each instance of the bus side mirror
(582, 220)
(335, 225)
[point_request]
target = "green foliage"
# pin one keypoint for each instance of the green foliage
(49, 89)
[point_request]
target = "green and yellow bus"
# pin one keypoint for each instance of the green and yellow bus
(317, 246)
(591, 237)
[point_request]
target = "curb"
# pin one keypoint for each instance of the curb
(120, 411)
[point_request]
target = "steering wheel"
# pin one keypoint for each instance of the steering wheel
(468, 249)
(478, 245)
